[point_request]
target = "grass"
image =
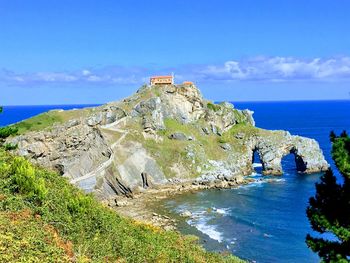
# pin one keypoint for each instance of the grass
(205, 147)
(167, 153)
(247, 130)
(45, 219)
(240, 118)
(213, 107)
(170, 152)
(24, 237)
(38, 122)
(172, 125)
(48, 119)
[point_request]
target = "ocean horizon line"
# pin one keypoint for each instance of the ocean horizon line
(216, 101)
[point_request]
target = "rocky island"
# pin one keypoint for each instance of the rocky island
(162, 136)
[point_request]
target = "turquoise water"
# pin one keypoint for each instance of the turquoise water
(264, 221)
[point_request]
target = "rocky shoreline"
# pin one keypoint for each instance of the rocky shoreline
(142, 206)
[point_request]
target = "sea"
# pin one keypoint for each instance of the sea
(264, 221)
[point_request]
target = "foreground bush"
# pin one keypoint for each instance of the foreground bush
(329, 210)
(45, 219)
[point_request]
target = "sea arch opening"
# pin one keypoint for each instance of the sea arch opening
(292, 161)
(257, 162)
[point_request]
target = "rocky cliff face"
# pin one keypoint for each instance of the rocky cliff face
(162, 135)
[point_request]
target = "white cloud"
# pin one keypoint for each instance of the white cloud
(268, 69)
(85, 72)
(280, 68)
(53, 77)
(94, 78)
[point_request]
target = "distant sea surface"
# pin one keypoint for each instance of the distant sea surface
(263, 221)
(13, 114)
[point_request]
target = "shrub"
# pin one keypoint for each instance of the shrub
(10, 146)
(329, 210)
(332, 136)
(7, 131)
(344, 134)
(26, 181)
(213, 107)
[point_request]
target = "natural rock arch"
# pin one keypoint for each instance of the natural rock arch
(307, 154)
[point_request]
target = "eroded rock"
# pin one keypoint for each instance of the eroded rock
(178, 136)
(117, 148)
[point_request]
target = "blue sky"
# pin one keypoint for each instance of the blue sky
(67, 52)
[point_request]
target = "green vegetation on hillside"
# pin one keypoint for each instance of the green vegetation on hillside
(213, 107)
(48, 119)
(38, 122)
(45, 219)
(169, 152)
(329, 210)
(6, 132)
(193, 153)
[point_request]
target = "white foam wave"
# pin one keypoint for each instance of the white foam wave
(276, 180)
(280, 180)
(256, 183)
(257, 165)
(209, 230)
(254, 174)
(222, 211)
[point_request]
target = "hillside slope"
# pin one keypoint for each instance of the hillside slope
(161, 135)
(43, 218)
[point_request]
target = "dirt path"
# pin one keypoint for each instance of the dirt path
(112, 127)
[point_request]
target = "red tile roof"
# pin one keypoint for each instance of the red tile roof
(161, 77)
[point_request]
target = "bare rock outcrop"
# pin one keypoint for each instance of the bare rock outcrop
(162, 135)
(74, 149)
(223, 116)
(186, 105)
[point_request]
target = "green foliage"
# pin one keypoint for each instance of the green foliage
(26, 180)
(329, 210)
(0, 109)
(341, 154)
(10, 146)
(7, 131)
(213, 107)
(332, 136)
(26, 238)
(65, 215)
(223, 139)
(173, 125)
(344, 134)
(170, 153)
